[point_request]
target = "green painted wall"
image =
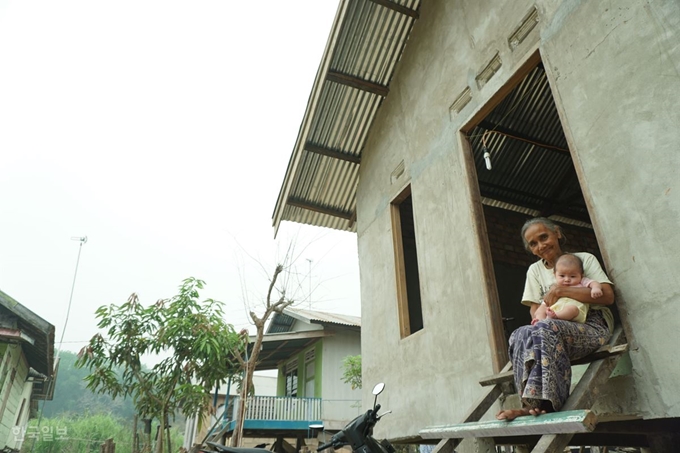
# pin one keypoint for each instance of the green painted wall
(302, 373)
(319, 361)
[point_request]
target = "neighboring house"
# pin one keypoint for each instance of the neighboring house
(307, 349)
(26, 368)
(264, 386)
(435, 129)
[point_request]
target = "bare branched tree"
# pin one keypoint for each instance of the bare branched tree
(275, 305)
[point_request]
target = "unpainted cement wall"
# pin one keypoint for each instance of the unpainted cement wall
(615, 73)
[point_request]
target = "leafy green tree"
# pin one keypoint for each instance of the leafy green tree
(352, 371)
(202, 351)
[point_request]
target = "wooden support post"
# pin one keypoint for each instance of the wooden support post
(485, 401)
(108, 446)
(584, 395)
(483, 445)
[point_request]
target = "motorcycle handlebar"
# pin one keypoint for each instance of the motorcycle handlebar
(324, 446)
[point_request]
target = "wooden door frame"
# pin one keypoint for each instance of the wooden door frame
(495, 329)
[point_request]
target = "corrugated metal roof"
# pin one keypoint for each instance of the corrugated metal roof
(531, 163)
(365, 44)
(283, 322)
(40, 354)
(532, 166)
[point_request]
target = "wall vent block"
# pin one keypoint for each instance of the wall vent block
(489, 70)
(461, 101)
(528, 23)
(398, 172)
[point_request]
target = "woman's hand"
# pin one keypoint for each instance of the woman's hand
(552, 295)
(580, 294)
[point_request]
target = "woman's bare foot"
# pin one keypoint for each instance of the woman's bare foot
(511, 414)
(537, 411)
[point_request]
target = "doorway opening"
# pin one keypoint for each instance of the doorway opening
(524, 169)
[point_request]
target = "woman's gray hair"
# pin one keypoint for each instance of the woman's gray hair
(549, 224)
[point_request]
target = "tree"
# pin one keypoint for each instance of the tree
(352, 371)
(250, 363)
(202, 351)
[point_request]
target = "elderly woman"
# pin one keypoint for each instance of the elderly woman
(541, 353)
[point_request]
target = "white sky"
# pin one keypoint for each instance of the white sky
(162, 131)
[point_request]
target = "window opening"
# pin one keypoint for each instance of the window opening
(292, 379)
(406, 264)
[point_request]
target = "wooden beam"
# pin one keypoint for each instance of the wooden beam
(353, 220)
(483, 404)
(288, 336)
(499, 378)
(602, 353)
(398, 8)
(489, 126)
(318, 208)
(476, 412)
(335, 154)
(495, 329)
(575, 421)
(358, 83)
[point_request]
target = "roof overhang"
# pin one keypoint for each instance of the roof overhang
(522, 135)
(20, 325)
(366, 41)
(279, 347)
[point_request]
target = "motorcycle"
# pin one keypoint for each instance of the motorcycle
(358, 434)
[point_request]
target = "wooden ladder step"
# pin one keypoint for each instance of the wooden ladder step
(576, 421)
(555, 429)
(604, 352)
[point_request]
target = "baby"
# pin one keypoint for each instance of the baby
(569, 272)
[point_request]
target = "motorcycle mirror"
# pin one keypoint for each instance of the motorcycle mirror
(377, 390)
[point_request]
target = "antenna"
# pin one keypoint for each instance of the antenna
(82, 240)
(310, 282)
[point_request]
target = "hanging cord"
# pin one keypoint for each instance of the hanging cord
(51, 382)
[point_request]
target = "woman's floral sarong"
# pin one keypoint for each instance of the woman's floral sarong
(541, 356)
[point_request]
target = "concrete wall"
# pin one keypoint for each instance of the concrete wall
(615, 73)
(619, 83)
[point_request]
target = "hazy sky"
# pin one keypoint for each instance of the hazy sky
(162, 131)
